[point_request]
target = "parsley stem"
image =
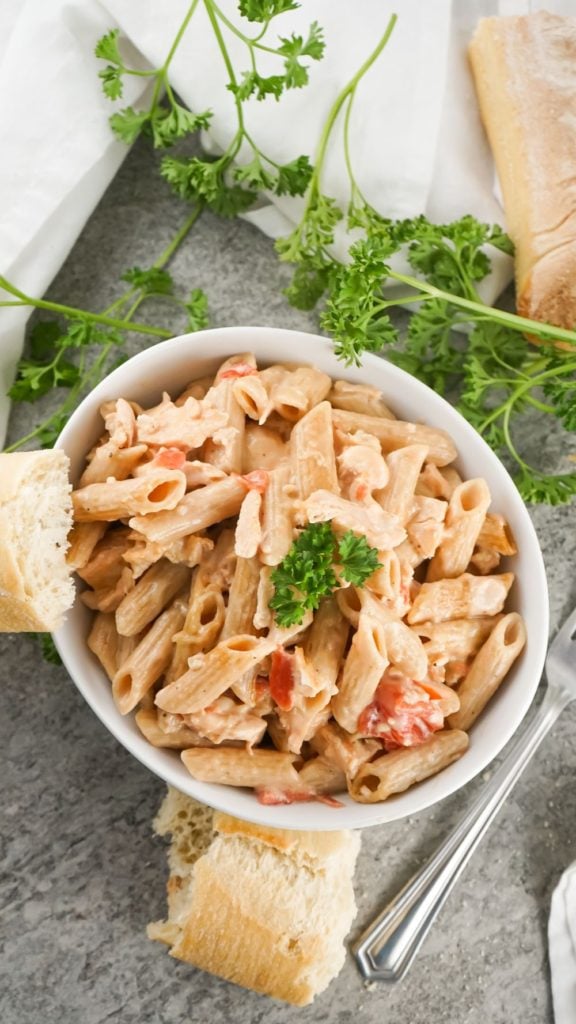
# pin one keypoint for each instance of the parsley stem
(179, 237)
(251, 43)
(517, 323)
(82, 314)
(347, 91)
(179, 34)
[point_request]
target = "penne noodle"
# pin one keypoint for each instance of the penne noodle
(312, 452)
(404, 467)
(211, 674)
(196, 511)
(185, 426)
(364, 666)
(119, 499)
(195, 389)
(496, 534)
(106, 563)
(456, 639)
(277, 515)
(103, 642)
(153, 591)
(83, 538)
(464, 597)
(149, 660)
(230, 767)
(322, 776)
(299, 391)
(110, 461)
(109, 598)
(326, 641)
(359, 398)
(488, 669)
(263, 449)
(179, 739)
(252, 397)
(224, 448)
(466, 512)
(394, 434)
(242, 598)
(397, 771)
(347, 752)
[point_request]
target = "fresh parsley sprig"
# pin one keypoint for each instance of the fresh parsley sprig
(222, 184)
(74, 351)
(309, 571)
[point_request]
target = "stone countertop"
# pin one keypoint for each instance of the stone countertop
(81, 872)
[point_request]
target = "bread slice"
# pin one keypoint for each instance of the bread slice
(525, 75)
(35, 518)
(267, 909)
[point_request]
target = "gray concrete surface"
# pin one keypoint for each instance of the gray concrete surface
(81, 872)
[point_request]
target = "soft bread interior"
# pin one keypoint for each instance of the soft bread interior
(266, 912)
(36, 587)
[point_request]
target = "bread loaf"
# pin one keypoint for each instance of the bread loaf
(524, 70)
(265, 908)
(35, 518)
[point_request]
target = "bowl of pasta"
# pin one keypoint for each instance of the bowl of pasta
(309, 595)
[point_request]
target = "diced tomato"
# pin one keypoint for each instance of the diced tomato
(282, 679)
(238, 370)
(257, 480)
(401, 714)
(170, 458)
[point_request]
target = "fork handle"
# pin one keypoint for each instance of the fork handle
(387, 948)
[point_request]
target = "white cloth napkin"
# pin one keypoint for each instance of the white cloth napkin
(417, 141)
(562, 947)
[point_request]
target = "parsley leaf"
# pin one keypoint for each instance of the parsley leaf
(357, 559)
(107, 47)
(295, 47)
(197, 308)
(254, 84)
(307, 573)
(153, 281)
(48, 648)
(128, 123)
(264, 10)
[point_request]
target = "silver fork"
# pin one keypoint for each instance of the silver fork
(387, 948)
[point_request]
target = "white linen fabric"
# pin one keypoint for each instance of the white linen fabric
(562, 947)
(417, 140)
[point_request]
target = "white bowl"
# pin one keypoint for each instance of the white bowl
(169, 366)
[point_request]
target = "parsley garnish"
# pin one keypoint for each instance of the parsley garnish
(308, 573)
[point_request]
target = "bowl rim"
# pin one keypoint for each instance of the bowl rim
(223, 797)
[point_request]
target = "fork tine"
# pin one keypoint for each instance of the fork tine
(567, 632)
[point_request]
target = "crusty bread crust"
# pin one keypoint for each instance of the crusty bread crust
(267, 909)
(525, 75)
(25, 604)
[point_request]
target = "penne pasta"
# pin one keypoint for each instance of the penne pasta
(103, 642)
(149, 660)
(397, 771)
(211, 674)
(248, 536)
(312, 452)
(495, 534)
(231, 767)
(119, 499)
(153, 591)
(404, 467)
(321, 776)
(299, 391)
(242, 598)
(180, 739)
(488, 669)
(83, 538)
(263, 449)
(196, 511)
(326, 641)
(359, 398)
(110, 461)
(382, 529)
(361, 672)
(393, 434)
(277, 515)
(466, 513)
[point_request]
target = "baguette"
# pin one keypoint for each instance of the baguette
(265, 908)
(524, 70)
(36, 587)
